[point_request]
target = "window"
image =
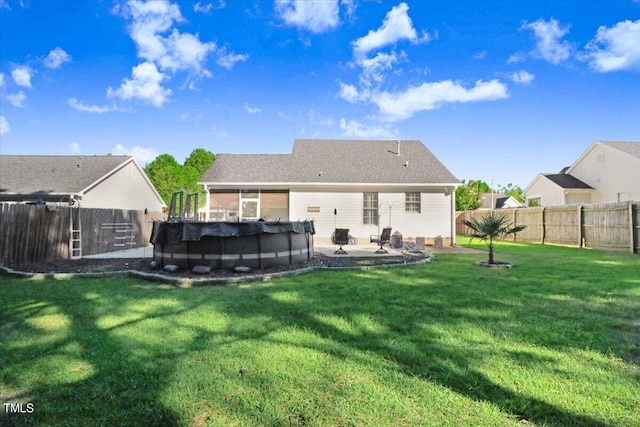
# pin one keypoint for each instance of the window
(224, 206)
(412, 202)
(370, 208)
(274, 205)
(534, 202)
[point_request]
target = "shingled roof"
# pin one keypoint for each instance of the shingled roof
(334, 161)
(53, 175)
(629, 147)
(565, 180)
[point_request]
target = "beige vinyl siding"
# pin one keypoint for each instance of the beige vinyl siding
(127, 188)
(575, 198)
(433, 220)
(549, 192)
(609, 171)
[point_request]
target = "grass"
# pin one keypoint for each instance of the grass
(554, 341)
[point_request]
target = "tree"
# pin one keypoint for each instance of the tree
(168, 176)
(468, 195)
(200, 160)
(491, 227)
(514, 191)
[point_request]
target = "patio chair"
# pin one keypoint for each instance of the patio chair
(341, 238)
(381, 240)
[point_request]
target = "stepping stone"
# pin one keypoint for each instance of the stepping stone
(242, 269)
(201, 269)
(171, 268)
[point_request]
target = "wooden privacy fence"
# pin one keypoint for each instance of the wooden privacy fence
(611, 227)
(42, 233)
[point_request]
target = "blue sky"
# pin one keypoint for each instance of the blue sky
(497, 90)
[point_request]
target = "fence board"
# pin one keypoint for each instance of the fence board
(40, 233)
(612, 227)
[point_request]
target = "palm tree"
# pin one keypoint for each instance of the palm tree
(491, 227)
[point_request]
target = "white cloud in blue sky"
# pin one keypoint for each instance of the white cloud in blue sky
(315, 16)
(549, 41)
(56, 58)
(145, 85)
(397, 25)
(615, 48)
(522, 77)
(21, 75)
(17, 99)
(536, 80)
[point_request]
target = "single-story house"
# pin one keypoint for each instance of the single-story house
(113, 182)
(491, 201)
(607, 172)
(362, 185)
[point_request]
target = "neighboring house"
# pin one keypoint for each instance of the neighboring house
(363, 185)
(498, 201)
(608, 172)
(114, 182)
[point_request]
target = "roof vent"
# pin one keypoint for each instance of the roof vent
(398, 148)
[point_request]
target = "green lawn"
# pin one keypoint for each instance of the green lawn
(553, 341)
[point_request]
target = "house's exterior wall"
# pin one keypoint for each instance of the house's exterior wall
(576, 198)
(550, 194)
(609, 172)
(434, 219)
(127, 188)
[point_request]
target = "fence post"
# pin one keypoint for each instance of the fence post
(580, 226)
(631, 228)
(542, 225)
(513, 210)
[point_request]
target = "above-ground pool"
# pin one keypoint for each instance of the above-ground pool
(226, 245)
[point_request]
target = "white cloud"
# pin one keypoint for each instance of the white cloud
(74, 147)
(283, 116)
(480, 55)
(373, 68)
(313, 15)
(4, 125)
(549, 43)
(350, 8)
(17, 99)
(396, 26)
(355, 129)
(429, 96)
(78, 105)
(185, 52)
(4, 4)
(145, 85)
(207, 8)
(516, 57)
(522, 77)
(21, 75)
(56, 58)
(348, 92)
(1, 81)
(252, 110)
(142, 154)
(616, 48)
(228, 60)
